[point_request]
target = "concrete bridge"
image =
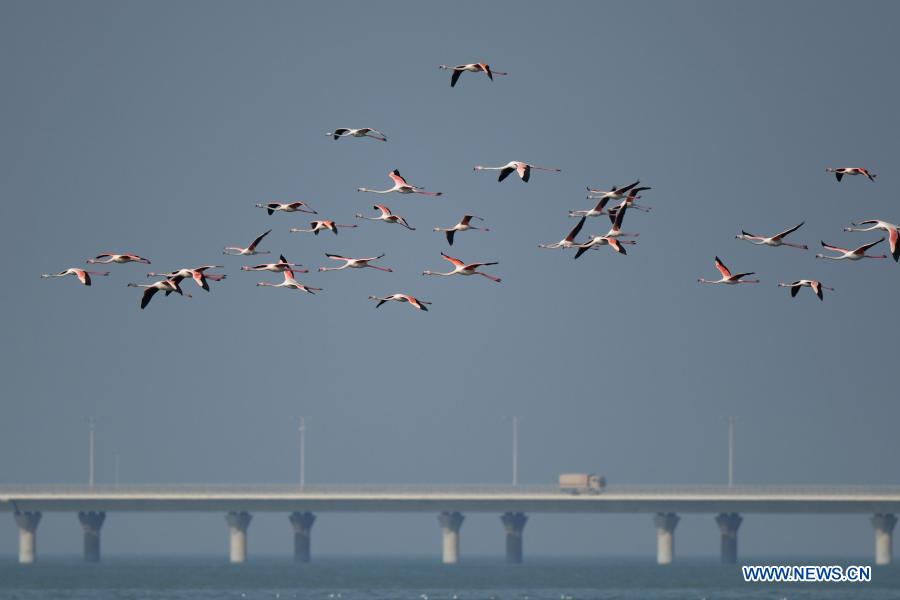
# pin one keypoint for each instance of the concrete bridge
(450, 503)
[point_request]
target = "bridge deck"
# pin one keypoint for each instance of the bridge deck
(433, 498)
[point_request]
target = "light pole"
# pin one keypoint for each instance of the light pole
(91, 452)
(515, 449)
(730, 451)
(302, 431)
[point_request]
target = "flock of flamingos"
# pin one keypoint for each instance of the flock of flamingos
(613, 203)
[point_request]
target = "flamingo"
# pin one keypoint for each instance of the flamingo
(523, 169)
(595, 241)
(569, 240)
(471, 68)
(815, 286)
(272, 207)
(615, 193)
(387, 216)
(413, 301)
(354, 263)
(108, 257)
(317, 226)
(616, 218)
(775, 240)
(400, 186)
(461, 268)
(198, 274)
(727, 277)
(280, 267)
(890, 228)
(839, 172)
(164, 285)
(463, 225)
(361, 132)
(290, 283)
(249, 250)
(856, 254)
(83, 276)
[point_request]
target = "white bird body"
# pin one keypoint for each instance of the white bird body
(727, 277)
(249, 250)
(523, 169)
(387, 216)
(354, 263)
(401, 186)
(773, 241)
(813, 284)
(358, 133)
(119, 259)
(855, 254)
(461, 268)
(412, 300)
(290, 207)
(82, 275)
(465, 224)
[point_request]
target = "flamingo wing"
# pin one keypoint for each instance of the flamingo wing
(258, 240)
(722, 268)
(788, 231)
(834, 248)
(83, 276)
(147, 296)
(524, 171)
(575, 230)
(895, 247)
(397, 178)
(454, 261)
(504, 173)
(455, 77)
(865, 247)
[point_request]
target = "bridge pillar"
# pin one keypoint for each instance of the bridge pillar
(302, 522)
(514, 523)
(665, 537)
(450, 525)
(238, 522)
(91, 522)
(728, 526)
(884, 529)
(27, 522)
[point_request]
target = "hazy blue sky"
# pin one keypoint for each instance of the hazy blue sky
(155, 127)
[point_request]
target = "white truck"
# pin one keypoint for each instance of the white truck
(581, 483)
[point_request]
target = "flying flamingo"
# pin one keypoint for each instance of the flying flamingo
(317, 226)
(471, 68)
(361, 132)
(83, 276)
(727, 277)
(461, 268)
(198, 274)
(249, 250)
(815, 286)
(107, 258)
(856, 254)
(615, 193)
(596, 241)
(272, 207)
(523, 169)
(775, 240)
(413, 301)
(400, 186)
(463, 225)
(890, 228)
(165, 285)
(569, 240)
(387, 216)
(290, 283)
(354, 263)
(839, 172)
(616, 219)
(280, 267)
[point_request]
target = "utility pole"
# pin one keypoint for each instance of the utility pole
(515, 449)
(730, 451)
(91, 453)
(302, 431)
(117, 470)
